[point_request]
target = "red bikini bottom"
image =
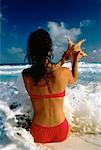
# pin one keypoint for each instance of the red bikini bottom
(44, 134)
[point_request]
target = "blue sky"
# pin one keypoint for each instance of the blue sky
(76, 19)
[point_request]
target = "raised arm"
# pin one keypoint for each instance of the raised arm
(74, 53)
(74, 70)
(74, 63)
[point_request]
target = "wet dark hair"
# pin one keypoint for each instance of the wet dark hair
(38, 48)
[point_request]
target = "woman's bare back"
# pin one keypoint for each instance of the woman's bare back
(48, 111)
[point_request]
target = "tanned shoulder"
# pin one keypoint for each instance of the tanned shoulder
(65, 69)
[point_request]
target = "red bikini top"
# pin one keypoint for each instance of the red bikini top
(54, 95)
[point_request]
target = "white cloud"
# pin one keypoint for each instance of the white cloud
(16, 54)
(94, 51)
(59, 34)
(2, 18)
(97, 51)
(59, 31)
(15, 50)
(86, 23)
(95, 55)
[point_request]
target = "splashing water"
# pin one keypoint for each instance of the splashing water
(82, 107)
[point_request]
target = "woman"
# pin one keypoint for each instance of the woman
(46, 83)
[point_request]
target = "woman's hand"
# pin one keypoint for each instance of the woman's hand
(75, 56)
(66, 55)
